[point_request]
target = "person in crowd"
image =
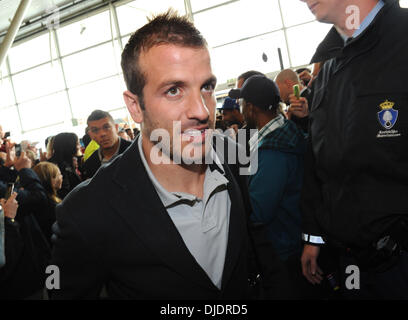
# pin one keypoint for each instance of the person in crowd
(2, 140)
(297, 112)
(355, 188)
(65, 152)
(285, 80)
(49, 148)
(130, 133)
(231, 114)
(123, 134)
(51, 179)
(246, 75)
(305, 76)
(177, 218)
(136, 132)
(12, 244)
(275, 187)
(240, 81)
(104, 131)
(33, 157)
(26, 279)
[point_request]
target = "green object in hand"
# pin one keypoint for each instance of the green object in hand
(296, 91)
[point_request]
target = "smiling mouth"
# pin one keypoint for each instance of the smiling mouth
(195, 135)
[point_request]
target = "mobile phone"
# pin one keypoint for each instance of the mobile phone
(296, 91)
(18, 149)
(9, 190)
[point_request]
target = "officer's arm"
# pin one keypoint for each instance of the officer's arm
(311, 200)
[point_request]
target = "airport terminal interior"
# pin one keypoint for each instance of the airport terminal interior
(69, 125)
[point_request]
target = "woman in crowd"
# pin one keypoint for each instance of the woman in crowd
(51, 179)
(65, 153)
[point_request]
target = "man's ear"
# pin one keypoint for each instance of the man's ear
(117, 127)
(133, 105)
(289, 84)
(91, 135)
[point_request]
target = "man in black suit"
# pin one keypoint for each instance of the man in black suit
(158, 222)
(104, 131)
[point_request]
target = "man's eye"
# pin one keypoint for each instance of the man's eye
(209, 87)
(173, 91)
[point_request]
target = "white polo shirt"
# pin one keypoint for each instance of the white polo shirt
(202, 223)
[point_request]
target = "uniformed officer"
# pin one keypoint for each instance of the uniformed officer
(356, 183)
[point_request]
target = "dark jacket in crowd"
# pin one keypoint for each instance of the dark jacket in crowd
(92, 164)
(357, 164)
(13, 247)
(28, 274)
(276, 186)
(126, 241)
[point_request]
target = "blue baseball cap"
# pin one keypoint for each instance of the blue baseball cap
(229, 104)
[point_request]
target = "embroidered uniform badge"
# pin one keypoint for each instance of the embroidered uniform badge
(387, 116)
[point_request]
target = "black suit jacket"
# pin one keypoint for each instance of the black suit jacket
(92, 164)
(113, 230)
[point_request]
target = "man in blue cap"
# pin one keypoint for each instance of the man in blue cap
(231, 114)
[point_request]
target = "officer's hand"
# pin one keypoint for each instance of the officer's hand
(310, 269)
(10, 206)
(298, 107)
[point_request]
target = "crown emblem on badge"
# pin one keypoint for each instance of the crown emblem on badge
(387, 105)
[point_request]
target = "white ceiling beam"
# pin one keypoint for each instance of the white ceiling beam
(12, 31)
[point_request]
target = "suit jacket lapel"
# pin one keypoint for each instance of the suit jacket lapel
(137, 202)
(237, 228)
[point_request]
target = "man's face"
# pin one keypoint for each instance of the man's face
(247, 111)
(104, 132)
(228, 115)
(179, 87)
(284, 91)
(328, 11)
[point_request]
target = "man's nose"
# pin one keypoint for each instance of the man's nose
(197, 108)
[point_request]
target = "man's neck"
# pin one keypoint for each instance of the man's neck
(346, 23)
(108, 153)
(264, 119)
(176, 177)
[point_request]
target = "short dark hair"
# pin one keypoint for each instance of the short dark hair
(249, 74)
(98, 115)
(166, 28)
(64, 148)
(300, 70)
